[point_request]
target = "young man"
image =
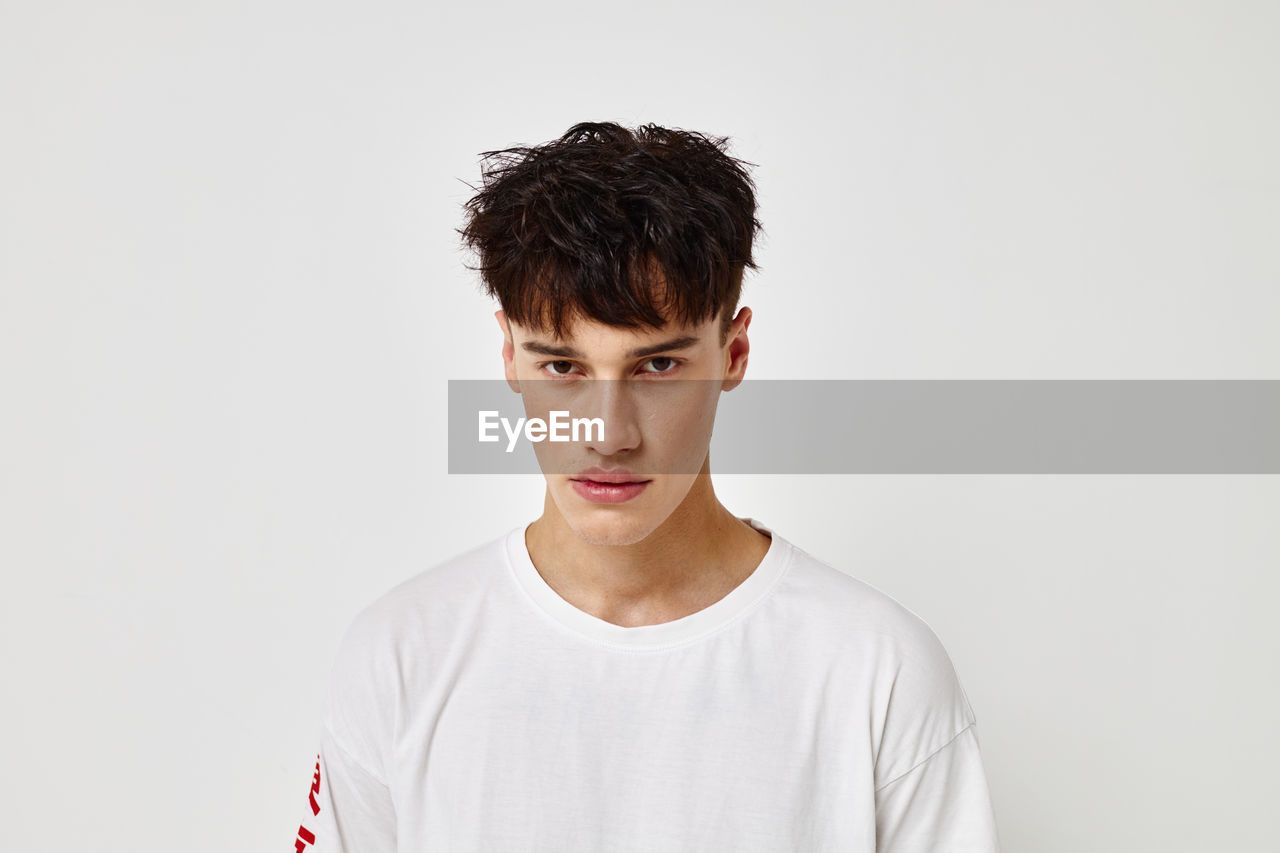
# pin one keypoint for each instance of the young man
(638, 669)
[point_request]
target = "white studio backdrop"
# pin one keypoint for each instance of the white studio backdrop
(231, 297)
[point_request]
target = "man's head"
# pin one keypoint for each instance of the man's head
(619, 254)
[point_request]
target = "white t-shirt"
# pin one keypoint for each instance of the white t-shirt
(472, 708)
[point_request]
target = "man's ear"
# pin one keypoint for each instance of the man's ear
(737, 348)
(508, 350)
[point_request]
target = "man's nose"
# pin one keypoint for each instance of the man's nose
(613, 401)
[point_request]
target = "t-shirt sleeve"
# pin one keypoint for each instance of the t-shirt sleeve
(350, 807)
(930, 785)
(942, 805)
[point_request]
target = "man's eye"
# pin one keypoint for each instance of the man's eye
(662, 358)
(567, 365)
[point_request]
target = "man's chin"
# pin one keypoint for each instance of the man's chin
(613, 529)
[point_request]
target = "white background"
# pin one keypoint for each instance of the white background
(232, 296)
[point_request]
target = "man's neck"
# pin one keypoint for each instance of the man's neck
(692, 560)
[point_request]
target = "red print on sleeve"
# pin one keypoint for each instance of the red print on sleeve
(315, 789)
(305, 836)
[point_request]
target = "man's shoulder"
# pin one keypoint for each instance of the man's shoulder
(849, 609)
(433, 596)
(918, 701)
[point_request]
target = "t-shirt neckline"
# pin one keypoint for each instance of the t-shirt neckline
(737, 603)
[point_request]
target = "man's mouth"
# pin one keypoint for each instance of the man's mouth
(608, 476)
(620, 489)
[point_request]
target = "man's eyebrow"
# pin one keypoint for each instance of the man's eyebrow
(542, 348)
(664, 346)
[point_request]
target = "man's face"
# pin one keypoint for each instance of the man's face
(657, 422)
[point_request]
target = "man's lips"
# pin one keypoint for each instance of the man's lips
(609, 493)
(609, 476)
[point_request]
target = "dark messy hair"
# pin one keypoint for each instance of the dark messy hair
(627, 227)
